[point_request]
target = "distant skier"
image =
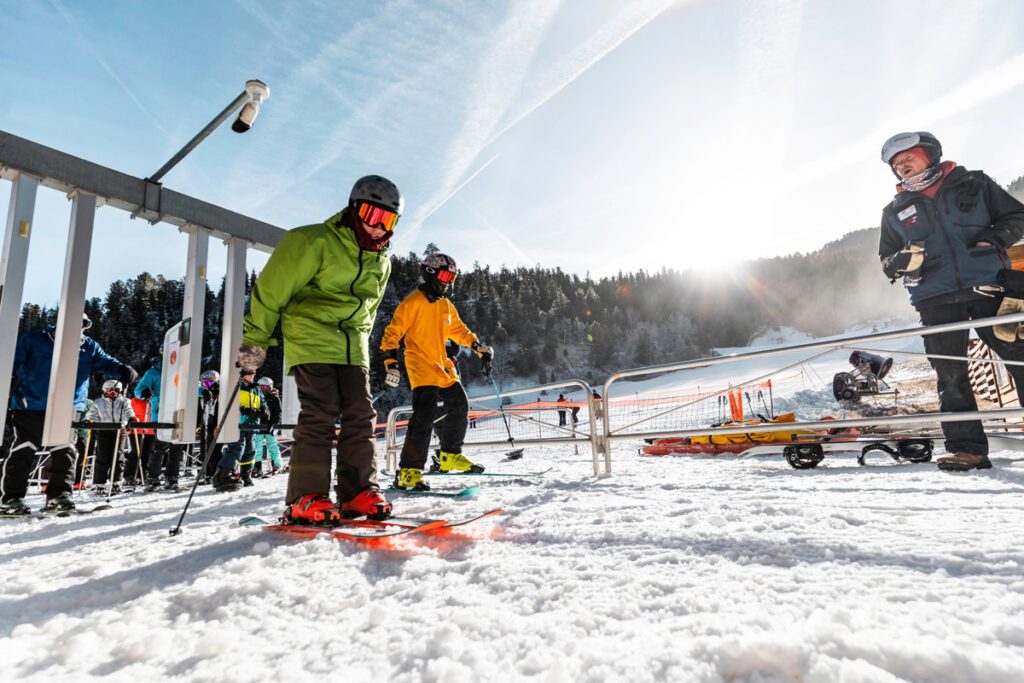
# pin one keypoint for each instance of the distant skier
(267, 438)
(252, 411)
(164, 457)
(110, 445)
(209, 397)
(562, 413)
(427, 319)
(327, 281)
(33, 358)
(946, 234)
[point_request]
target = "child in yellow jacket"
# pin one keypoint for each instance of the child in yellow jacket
(427, 319)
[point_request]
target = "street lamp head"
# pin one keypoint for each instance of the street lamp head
(258, 91)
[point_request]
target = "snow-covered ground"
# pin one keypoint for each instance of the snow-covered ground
(673, 569)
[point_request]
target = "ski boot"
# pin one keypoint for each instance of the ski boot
(128, 486)
(152, 487)
(370, 502)
(314, 509)
(457, 462)
(224, 481)
(60, 503)
(257, 471)
(246, 475)
(171, 486)
(410, 478)
(15, 507)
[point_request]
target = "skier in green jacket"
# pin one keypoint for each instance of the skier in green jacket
(325, 282)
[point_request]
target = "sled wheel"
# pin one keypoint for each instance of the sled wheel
(804, 457)
(915, 450)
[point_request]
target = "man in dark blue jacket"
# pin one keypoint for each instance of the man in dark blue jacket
(946, 234)
(33, 356)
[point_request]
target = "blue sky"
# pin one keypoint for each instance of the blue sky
(590, 135)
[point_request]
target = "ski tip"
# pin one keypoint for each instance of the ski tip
(251, 520)
(468, 491)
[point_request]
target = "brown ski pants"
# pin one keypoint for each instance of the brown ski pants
(329, 393)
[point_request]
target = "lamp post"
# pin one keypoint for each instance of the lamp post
(252, 97)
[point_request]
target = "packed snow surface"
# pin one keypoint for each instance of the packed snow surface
(674, 568)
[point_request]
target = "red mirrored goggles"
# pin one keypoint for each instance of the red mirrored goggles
(446, 276)
(375, 216)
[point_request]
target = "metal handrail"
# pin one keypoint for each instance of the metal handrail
(833, 344)
(391, 444)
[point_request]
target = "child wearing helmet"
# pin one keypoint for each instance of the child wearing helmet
(426, 320)
(111, 406)
(267, 439)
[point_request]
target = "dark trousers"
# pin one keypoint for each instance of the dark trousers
(204, 443)
(167, 457)
(561, 418)
(106, 445)
(28, 435)
(137, 462)
(955, 393)
(241, 452)
(328, 393)
(452, 428)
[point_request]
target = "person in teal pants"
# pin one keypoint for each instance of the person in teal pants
(268, 438)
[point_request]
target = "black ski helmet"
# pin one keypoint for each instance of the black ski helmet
(438, 266)
(901, 142)
(379, 191)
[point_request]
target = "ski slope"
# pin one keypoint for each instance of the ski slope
(674, 569)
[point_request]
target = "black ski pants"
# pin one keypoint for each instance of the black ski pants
(329, 393)
(167, 457)
(954, 385)
(107, 443)
(454, 411)
(28, 435)
(137, 463)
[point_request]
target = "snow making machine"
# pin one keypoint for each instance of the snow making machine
(867, 378)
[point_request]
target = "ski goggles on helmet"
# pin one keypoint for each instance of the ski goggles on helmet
(446, 276)
(209, 383)
(374, 216)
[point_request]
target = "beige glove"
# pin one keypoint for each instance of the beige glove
(1010, 331)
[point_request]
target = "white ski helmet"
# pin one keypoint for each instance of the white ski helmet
(379, 191)
(265, 382)
(209, 378)
(901, 142)
(112, 386)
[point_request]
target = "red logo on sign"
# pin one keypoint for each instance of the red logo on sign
(174, 357)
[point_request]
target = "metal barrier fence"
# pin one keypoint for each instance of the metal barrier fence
(642, 416)
(540, 422)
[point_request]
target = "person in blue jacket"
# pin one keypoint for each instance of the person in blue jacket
(30, 383)
(165, 457)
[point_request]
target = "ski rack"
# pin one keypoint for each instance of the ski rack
(824, 347)
(527, 425)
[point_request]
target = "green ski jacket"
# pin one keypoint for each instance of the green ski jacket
(328, 290)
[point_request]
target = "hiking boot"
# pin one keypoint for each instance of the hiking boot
(224, 481)
(15, 507)
(456, 462)
(410, 478)
(962, 462)
(245, 477)
(370, 502)
(60, 503)
(315, 508)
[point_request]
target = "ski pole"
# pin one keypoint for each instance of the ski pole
(501, 405)
(209, 454)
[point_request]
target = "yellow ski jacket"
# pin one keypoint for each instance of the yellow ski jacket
(427, 327)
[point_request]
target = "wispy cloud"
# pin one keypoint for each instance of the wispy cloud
(510, 245)
(973, 93)
(106, 67)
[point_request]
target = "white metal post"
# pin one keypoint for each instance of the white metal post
(193, 311)
(60, 405)
(231, 331)
(12, 276)
(289, 404)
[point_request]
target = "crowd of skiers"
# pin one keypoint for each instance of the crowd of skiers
(946, 234)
